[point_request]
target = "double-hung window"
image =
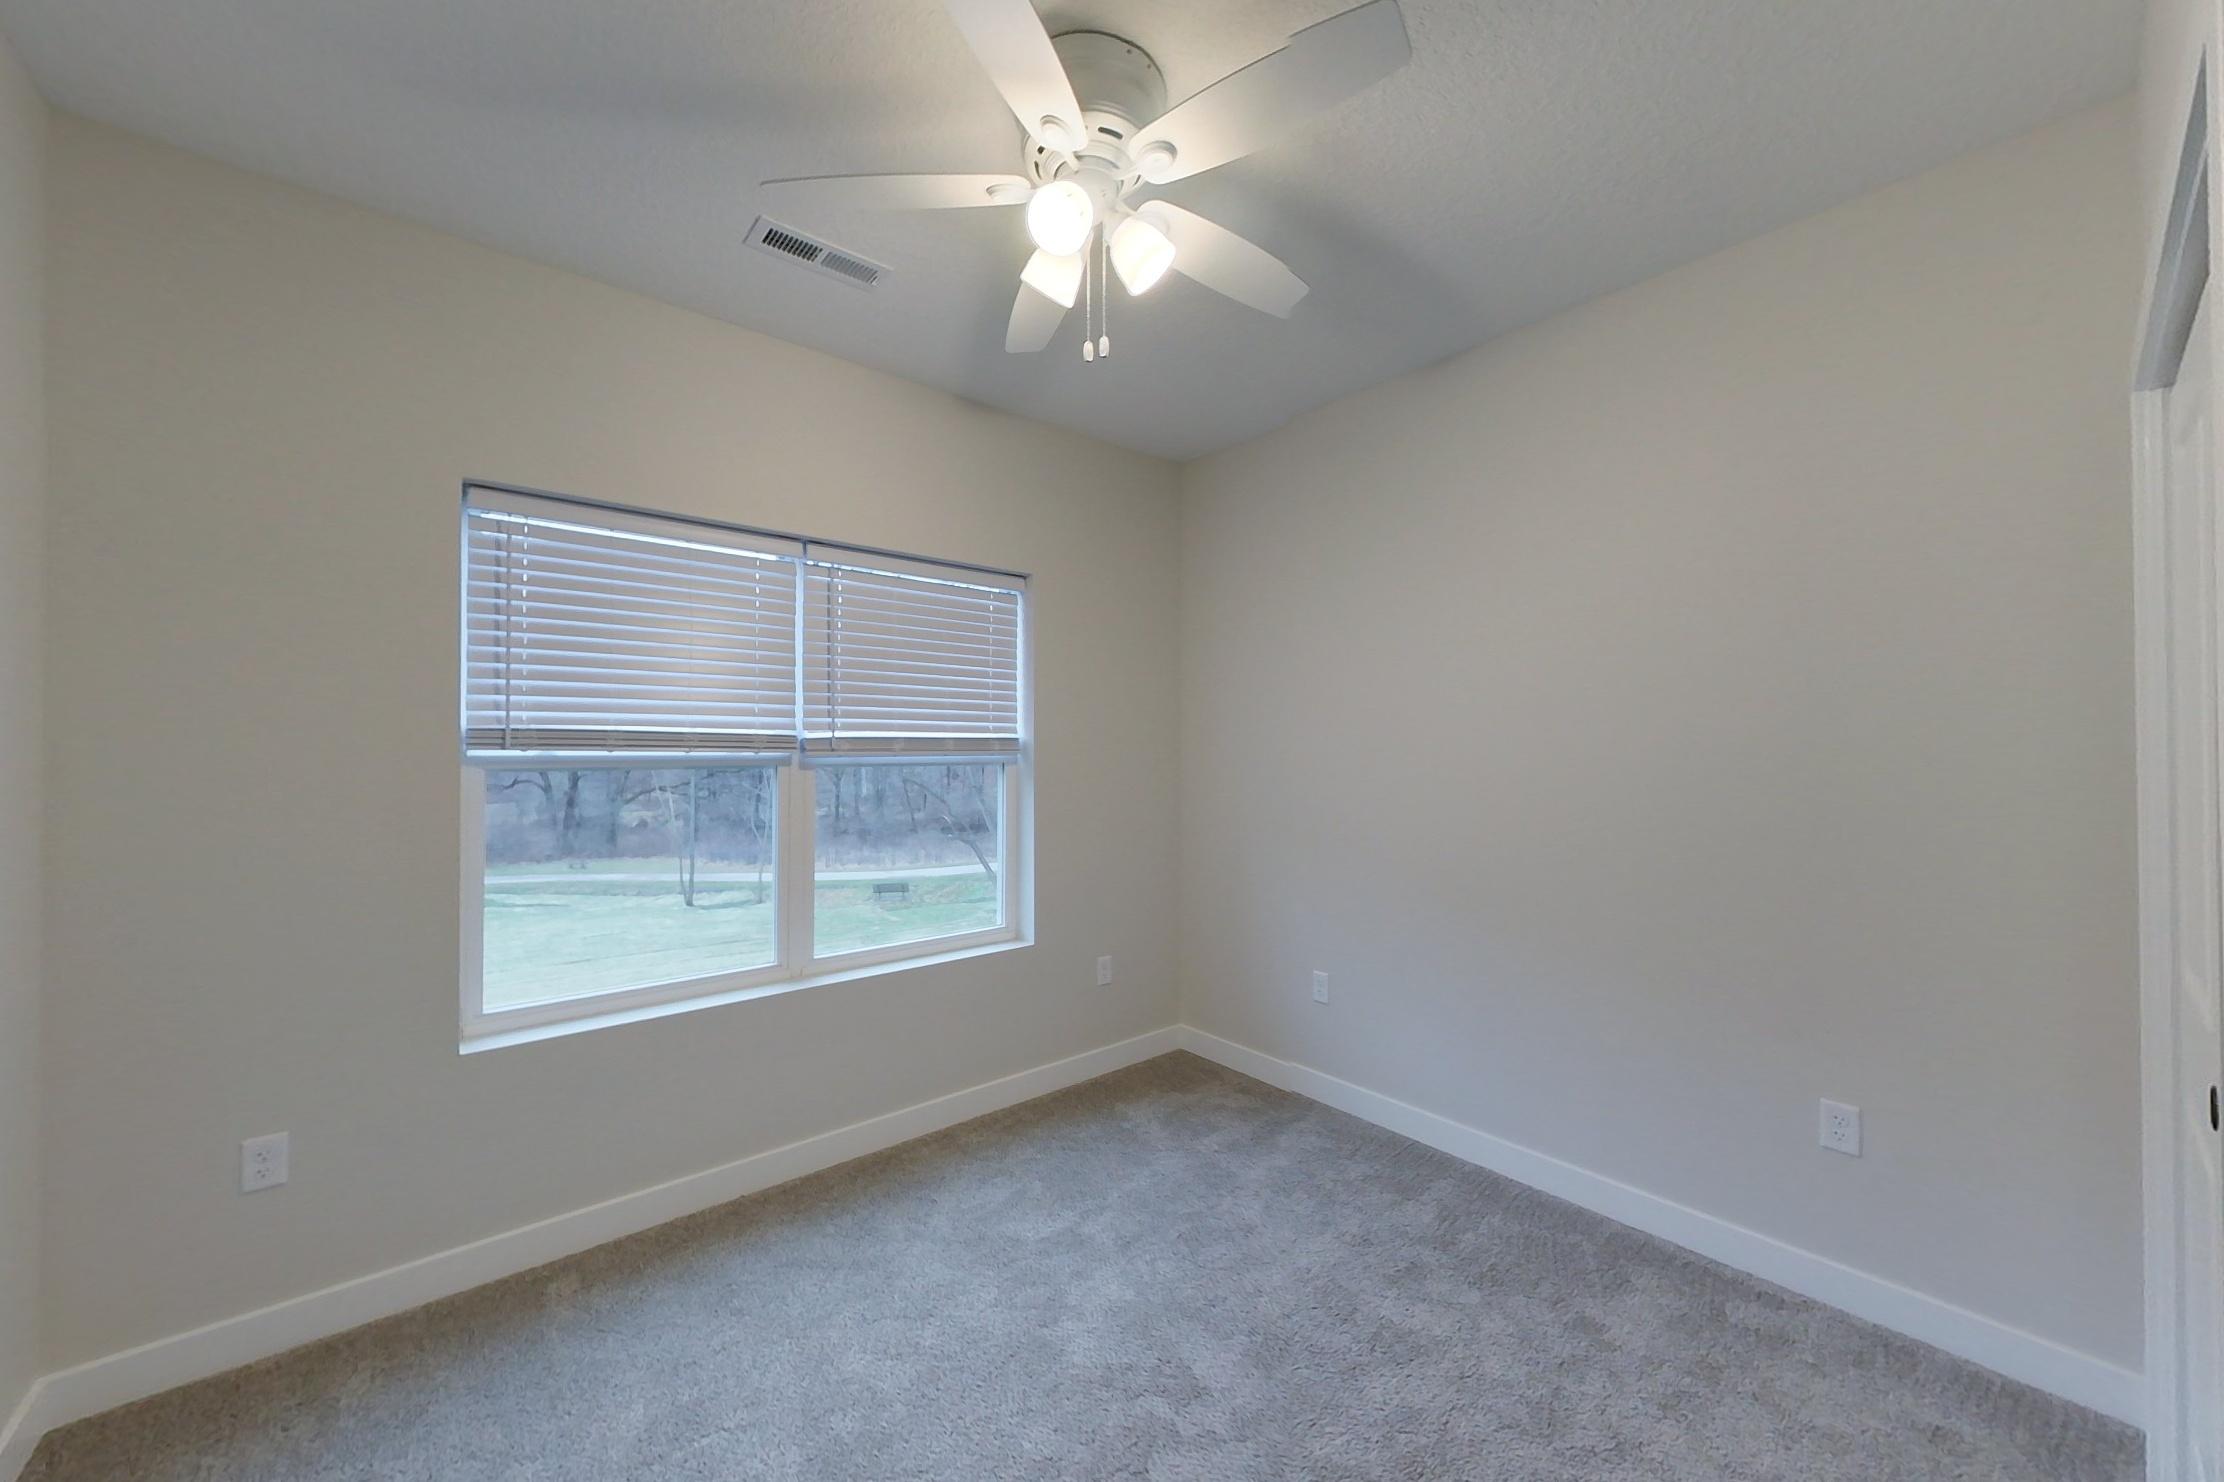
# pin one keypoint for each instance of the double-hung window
(701, 759)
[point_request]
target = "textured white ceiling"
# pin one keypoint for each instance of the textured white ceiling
(1535, 153)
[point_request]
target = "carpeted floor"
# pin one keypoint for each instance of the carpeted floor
(1170, 1273)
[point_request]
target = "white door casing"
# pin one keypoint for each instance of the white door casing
(2196, 806)
(2178, 572)
(2180, 555)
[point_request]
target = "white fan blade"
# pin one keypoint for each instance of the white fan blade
(895, 192)
(1034, 320)
(1227, 263)
(1010, 40)
(1246, 110)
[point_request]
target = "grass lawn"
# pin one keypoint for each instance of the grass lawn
(553, 939)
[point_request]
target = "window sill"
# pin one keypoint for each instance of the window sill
(494, 1037)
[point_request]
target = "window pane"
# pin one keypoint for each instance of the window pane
(907, 853)
(604, 878)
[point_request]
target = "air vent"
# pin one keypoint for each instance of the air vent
(791, 244)
(820, 257)
(854, 268)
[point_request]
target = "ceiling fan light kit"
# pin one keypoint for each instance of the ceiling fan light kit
(1098, 131)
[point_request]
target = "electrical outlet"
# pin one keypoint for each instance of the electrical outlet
(262, 1163)
(1104, 972)
(1841, 1128)
(1320, 987)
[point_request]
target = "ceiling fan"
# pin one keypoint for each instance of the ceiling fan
(1098, 132)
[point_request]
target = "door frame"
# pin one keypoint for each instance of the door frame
(2179, 277)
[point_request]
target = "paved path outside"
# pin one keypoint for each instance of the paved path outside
(573, 877)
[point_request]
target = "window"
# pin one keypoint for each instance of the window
(701, 759)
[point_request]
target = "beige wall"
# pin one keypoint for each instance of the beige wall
(1712, 699)
(22, 542)
(263, 402)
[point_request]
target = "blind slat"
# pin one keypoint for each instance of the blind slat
(923, 597)
(608, 624)
(619, 547)
(519, 592)
(595, 566)
(736, 673)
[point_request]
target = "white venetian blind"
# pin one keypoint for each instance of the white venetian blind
(903, 656)
(588, 630)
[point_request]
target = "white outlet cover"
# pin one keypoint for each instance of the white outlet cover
(262, 1162)
(1104, 972)
(1320, 987)
(1841, 1128)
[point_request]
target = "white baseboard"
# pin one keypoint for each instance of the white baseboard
(118, 1379)
(20, 1436)
(2039, 1362)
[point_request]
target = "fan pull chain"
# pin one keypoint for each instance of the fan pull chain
(1088, 304)
(1096, 298)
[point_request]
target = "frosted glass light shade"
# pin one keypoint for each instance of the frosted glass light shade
(1059, 218)
(1141, 254)
(1055, 278)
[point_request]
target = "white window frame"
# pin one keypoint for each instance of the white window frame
(796, 962)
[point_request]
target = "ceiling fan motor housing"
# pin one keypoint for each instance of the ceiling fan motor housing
(1120, 89)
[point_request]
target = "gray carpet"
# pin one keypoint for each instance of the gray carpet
(1170, 1273)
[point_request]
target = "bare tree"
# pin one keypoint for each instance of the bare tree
(945, 815)
(762, 848)
(686, 823)
(566, 807)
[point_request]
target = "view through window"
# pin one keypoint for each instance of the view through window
(605, 878)
(906, 853)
